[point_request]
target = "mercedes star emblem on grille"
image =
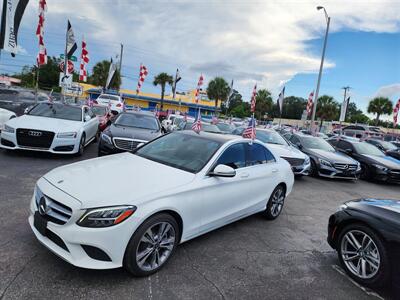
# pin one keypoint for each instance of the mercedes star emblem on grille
(34, 133)
(43, 209)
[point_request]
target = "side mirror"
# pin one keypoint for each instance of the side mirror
(223, 171)
(298, 145)
(87, 118)
(348, 151)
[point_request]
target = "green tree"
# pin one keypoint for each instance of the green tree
(100, 74)
(327, 108)
(380, 106)
(355, 115)
(263, 103)
(234, 100)
(162, 79)
(241, 110)
(218, 90)
(293, 108)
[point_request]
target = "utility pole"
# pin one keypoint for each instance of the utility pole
(120, 58)
(328, 21)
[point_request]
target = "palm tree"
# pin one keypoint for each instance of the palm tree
(100, 74)
(218, 90)
(263, 103)
(162, 79)
(327, 108)
(380, 106)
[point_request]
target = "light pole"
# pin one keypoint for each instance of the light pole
(328, 21)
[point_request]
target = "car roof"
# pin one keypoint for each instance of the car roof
(217, 137)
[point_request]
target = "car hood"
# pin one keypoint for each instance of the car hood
(43, 123)
(386, 161)
(286, 151)
(117, 180)
(133, 133)
(335, 157)
(384, 209)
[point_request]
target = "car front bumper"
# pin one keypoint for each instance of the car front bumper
(301, 170)
(330, 172)
(74, 239)
(58, 145)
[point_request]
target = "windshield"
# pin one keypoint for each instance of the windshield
(368, 149)
(270, 137)
(311, 142)
(57, 111)
(204, 127)
(138, 121)
(99, 110)
(225, 127)
(181, 151)
(108, 98)
(387, 145)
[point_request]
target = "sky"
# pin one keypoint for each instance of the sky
(271, 43)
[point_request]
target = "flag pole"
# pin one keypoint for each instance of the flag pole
(65, 63)
(37, 83)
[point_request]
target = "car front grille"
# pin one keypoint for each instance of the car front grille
(345, 167)
(127, 144)
(294, 162)
(34, 138)
(56, 212)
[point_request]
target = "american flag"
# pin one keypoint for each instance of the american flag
(196, 126)
(253, 99)
(396, 113)
(250, 131)
(142, 75)
(84, 62)
(310, 103)
(199, 84)
(42, 55)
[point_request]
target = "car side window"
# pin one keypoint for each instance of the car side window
(258, 155)
(294, 140)
(234, 156)
(343, 145)
(91, 113)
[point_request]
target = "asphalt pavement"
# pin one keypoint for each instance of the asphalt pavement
(288, 258)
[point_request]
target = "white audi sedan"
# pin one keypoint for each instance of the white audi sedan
(51, 127)
(170, 190)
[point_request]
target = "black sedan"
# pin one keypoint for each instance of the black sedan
(325, 160)
(387, 147)
(374, 163)
(366, 235)
(128, 131)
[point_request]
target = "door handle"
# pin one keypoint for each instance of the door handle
(244, 175)
(274, 170)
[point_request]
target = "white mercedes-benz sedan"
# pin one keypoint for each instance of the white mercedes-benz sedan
(299, 161)
(170, 190)
(51, 127)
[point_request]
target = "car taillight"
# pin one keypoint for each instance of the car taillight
(119, 105)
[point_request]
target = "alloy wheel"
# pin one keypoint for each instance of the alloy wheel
(155, 246)
(278, 199)
(360, 254)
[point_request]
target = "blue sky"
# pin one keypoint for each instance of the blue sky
(269, 42)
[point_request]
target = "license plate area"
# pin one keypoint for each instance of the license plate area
(40, 223)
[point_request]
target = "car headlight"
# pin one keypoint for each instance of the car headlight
(382, 168)
(307, 160)
(325, 163)
(67, 135)
(106, 216)
(8, 129)
(106, 138)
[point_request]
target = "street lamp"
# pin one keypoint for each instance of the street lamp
(328, 21)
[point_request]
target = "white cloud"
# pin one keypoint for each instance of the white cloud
(388, 91)
(264, 41)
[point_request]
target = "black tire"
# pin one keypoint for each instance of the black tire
(383, 274)
(81, 145)
(273, 211)
(313, 169)
(365, 172)
(97, 136)
(130, 262)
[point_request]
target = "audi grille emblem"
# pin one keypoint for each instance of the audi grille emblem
(43, 209)
(34, 133)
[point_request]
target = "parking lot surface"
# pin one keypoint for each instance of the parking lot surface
(251, 259)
